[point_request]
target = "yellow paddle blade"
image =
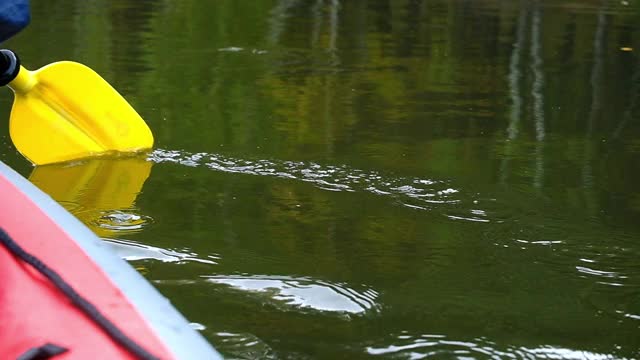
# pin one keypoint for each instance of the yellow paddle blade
(93, 189)
(66, 111)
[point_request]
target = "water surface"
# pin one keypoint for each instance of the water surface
(360, 179)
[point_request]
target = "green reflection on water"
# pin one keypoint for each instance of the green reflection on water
(342, 179)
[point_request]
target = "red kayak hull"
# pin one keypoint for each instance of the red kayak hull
(34, 312)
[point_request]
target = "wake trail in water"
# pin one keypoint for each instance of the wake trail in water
(416, 193)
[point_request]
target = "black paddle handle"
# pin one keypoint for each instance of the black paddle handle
(9, 66)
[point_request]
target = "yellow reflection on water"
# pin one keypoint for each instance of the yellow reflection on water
(100, 192)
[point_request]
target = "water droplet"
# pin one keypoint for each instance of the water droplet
(122, 221)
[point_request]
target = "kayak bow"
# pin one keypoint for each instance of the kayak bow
(35, 313)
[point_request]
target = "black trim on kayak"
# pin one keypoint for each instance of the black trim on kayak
(43, 352)
(78, 300)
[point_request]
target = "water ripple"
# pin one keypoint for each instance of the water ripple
(303, 293)
(416, 193)
(603, 260)
(121, 221)
(242, 346)
(409, 346)
(131, 251)
(601, 273)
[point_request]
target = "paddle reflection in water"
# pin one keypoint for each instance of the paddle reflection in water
(100, 192)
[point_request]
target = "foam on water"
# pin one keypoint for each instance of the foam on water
(414, 193)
